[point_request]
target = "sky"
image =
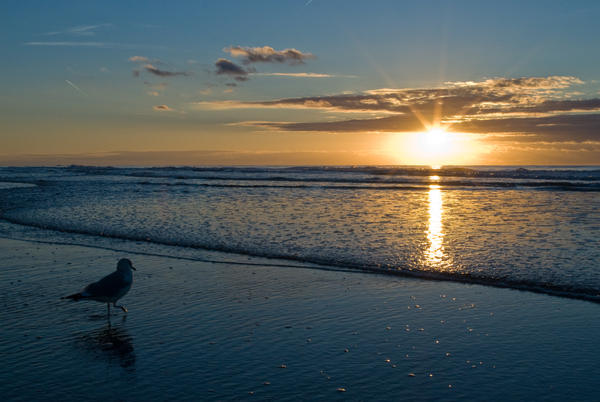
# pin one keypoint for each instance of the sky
(321, 82)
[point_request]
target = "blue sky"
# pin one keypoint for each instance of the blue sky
(69, 86)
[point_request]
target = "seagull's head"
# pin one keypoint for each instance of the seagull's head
(125, 265)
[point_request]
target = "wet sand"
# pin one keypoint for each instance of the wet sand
(203, 331)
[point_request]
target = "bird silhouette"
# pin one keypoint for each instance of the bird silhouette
(110, 288)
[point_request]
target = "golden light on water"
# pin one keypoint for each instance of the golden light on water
(435, 235)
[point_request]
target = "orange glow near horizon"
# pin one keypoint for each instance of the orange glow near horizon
(435, 147)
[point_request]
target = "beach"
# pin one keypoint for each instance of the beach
(300, 201)
(216, 331)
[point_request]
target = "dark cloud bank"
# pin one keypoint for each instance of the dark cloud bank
(534, 108)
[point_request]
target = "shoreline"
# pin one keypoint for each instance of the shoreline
(589, 295)
(198, 330)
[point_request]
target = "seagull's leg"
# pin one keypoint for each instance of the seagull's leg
(121, 307)
(108, 306)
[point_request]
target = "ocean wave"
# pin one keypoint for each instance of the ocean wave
(395, 185)
(581, 173)
(355, 220)
(574, 292)
(9, 185)
(384, 178)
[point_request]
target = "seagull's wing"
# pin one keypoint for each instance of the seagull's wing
(108, 286)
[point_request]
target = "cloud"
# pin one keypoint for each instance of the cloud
(233, 104)
(513, 84)
(158, 86)
(164, 73)
(395, 124)
(580, 128)
(454, 101)
(226, 67)
(152, 93)
(101, 45)
(81, 30)
(303, 75)
(76, 88)
(558, 128)
(267, 54)
(530, 108)
(139, 59)
(72, 44)
(220, 105)
(145, 63)
(163, 108)
(552, 106)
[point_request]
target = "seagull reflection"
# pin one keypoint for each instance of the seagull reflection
(112, 343)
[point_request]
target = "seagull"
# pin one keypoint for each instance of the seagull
(110, 288)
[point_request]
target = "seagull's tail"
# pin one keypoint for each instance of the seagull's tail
(74, 297)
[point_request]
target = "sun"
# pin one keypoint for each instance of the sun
(436, 146)
(436, 136)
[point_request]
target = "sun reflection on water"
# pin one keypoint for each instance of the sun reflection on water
(435, 234)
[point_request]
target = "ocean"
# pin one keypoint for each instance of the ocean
(531, 228)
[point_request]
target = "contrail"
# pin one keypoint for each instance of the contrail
(76, 87)
(308, 2)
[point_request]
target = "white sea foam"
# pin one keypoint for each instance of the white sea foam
(7, 185)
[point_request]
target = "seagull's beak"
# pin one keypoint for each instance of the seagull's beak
(132, 267)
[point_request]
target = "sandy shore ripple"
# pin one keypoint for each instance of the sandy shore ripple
(202, 331)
